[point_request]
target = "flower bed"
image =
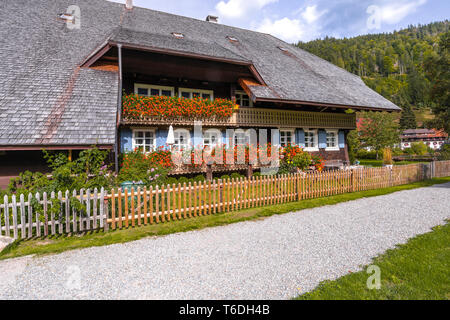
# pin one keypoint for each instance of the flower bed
(138, 107)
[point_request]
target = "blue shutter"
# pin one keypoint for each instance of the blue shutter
(300, 138)
(161, 137)
(341, 139)
(126, 140)
(322, 139)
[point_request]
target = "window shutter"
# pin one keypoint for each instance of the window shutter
(300, 138)
(322, 139)
(341, 139)
(126, 140)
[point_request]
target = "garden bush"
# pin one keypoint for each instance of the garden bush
(199, 178)
(364, 154)
(236, 175)
(419, 148)
(183, 180)
(225, 177)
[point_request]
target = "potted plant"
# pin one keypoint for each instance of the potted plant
(387, 158)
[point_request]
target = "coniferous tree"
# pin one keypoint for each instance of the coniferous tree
(408, 118)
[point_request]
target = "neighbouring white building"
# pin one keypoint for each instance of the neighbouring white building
(431, 137)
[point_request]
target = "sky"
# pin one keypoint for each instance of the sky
(305, 20)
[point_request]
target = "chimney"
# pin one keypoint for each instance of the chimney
(213, 19)
(129, 4)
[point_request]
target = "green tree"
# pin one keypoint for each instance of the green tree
(378, 130)
(438, 70)
(388, 65)
(408, 118)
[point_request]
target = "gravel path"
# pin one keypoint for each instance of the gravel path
(275, 258)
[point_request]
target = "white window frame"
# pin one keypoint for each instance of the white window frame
(134, 145)
(315, 138)
(214, 132)
(177, 146)
(191, 91)
(292, 131)
(336, 147)
(151, 86)
(239, 100)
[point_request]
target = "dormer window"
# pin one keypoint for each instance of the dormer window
(178, 35)
(243, 100)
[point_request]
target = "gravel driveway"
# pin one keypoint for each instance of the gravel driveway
(275, 258)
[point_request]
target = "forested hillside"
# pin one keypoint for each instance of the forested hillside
(393, 64)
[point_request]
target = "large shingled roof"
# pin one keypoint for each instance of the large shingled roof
(46, 99)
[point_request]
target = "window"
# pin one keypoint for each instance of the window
(287, 137)
(153, 90)
(332, 140)
(212, 138)
(243, 100)
(311, 140)
(144, 139)
(195, 93)
(232, 39)
(182, 140)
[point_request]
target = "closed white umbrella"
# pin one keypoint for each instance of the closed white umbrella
(171, 136)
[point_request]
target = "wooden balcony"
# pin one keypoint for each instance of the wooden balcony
(257, 117)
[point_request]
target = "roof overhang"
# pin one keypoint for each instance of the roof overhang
(53, 147)
(322, 104)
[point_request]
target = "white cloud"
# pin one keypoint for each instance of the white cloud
(310, 14)
(305, 25)
(290, 30)
(395, 12)
(239, 8)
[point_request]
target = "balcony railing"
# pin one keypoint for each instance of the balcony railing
(256, 117)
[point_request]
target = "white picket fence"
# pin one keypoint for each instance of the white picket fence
(27, 223)
(57, 214)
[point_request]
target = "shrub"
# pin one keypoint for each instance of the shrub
(444, 152)
(397, 151)
(257, 174)
(419, 148)
(199, 178)
(302, 160)
(225, 177)
(236, 175)
(183, 180)
(140, 167)
(387, 156)
(364, 154)
(171, 181)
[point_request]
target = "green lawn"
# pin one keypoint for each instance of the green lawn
(379, 163)
(99, 238)
(417, 270)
